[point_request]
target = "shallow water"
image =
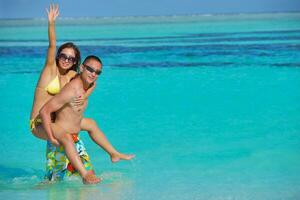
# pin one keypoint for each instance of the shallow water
(209, 104)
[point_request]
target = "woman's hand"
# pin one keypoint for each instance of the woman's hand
(52, 13)
(78, 101)
(50, 60)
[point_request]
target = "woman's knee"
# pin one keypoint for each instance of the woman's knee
(92, 122)
(91, 125)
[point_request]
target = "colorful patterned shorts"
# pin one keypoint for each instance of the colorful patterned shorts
(58, 166)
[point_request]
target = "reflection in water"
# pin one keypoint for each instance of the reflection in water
(114, 186)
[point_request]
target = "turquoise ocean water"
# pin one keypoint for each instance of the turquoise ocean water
(209, 104)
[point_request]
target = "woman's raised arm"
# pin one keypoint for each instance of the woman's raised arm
(53, 12)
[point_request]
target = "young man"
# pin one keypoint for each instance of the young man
(68, 116)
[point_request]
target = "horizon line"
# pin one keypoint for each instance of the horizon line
(167, 15)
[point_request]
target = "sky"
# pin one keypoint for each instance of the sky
(107, 8)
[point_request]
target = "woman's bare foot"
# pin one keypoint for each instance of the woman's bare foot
(90, 178)
(115, 157)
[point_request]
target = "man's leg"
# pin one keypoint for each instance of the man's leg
(85, 158)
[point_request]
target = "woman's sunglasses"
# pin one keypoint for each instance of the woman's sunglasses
(90, 69)
(65, 57)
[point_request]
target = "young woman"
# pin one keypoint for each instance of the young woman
(59, 68)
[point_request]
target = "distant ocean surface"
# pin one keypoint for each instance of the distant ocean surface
(210, 105)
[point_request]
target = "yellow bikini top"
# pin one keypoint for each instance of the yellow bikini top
(53, 87)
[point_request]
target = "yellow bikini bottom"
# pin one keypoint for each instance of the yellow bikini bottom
(34, 123)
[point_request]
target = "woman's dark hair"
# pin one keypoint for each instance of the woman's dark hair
(77, 54)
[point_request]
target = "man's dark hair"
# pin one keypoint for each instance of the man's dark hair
(92, 57)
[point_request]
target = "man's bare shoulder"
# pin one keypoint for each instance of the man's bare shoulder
(72, 86)
(75, 83)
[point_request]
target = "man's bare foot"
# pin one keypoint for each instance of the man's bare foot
(90, 178)
(119, 156)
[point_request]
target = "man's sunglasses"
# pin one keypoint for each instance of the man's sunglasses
(65, 57)
(90, 69)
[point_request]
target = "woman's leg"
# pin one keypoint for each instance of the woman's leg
(40, 132)
(99, 138)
